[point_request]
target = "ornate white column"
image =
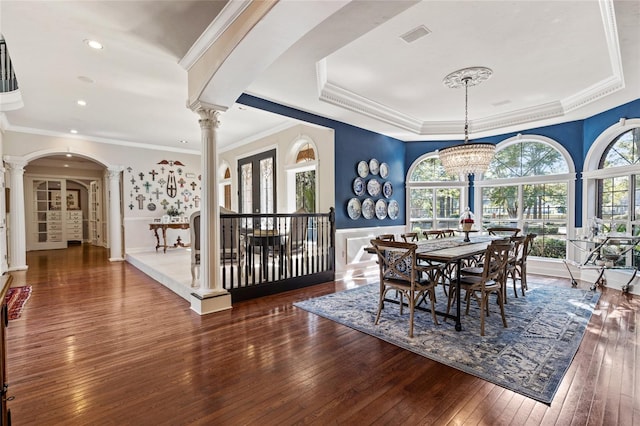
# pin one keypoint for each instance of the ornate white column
(115, 216)
(210, 296)
(17, 250)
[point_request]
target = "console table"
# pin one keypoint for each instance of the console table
(164, 226)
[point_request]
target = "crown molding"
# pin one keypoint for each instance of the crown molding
(331, 93)
(33, 131)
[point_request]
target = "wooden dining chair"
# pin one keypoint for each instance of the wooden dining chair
(490, 281)
(448, 233)
(520, 264)
(386, 237)
(409, 237)
(503, 231)
(399, 271)
(432, 233)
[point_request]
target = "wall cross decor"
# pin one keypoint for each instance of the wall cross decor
(153, 174)
(140, 199)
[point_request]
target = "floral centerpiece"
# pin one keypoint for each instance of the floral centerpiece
(466, 220)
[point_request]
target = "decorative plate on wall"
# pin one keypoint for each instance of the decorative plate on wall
(384, 170)
(354, 209)
(363, 169)
(373, 187)
(381, 209)
(387, 189)
(368, 209)
(393, 209)
(359, 186)
(374, 166)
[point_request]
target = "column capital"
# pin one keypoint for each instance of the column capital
(113, 172)
(15, 163)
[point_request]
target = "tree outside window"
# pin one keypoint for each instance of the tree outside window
(536, 204)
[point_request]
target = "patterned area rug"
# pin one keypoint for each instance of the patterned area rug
(16, 298)
(530, 357)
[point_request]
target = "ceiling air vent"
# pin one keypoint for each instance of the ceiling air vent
(415, 34)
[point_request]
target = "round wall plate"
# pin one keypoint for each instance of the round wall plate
(354, 208)
(381, 209)
(363, 169)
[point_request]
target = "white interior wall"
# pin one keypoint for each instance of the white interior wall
(135, 222)
(284, 142)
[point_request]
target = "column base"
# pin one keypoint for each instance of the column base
(209, 301)
(116, 259)
(18, 268)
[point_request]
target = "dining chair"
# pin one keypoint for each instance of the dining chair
(514, 257)
(490, 281)
(409, 237)
(399, 271)
(503, 231)
(386, 237)
(520, 266)
(448, 233)
(432, 233)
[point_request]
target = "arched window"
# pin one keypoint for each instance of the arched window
(302, 176)
(224, 191)
(617, 183)
(434, 196)
(528, 186)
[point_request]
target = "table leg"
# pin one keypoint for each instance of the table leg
(458, 323)
(164, 238)
(155, 231)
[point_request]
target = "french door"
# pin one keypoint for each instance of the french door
(48, 209)
(257, 189)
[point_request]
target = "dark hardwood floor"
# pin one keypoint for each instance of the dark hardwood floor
(100, 343)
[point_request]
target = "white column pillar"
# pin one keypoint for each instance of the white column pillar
(210, 297)
(115, 217)
(17, 225)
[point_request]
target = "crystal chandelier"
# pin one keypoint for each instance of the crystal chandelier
(467, 158)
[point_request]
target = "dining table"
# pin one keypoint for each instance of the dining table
(452, 250)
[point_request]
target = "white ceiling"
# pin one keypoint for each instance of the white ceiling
(552, 61)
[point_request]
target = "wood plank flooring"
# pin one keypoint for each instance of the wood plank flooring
(100, 343)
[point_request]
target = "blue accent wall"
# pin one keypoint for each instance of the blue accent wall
(353, 144)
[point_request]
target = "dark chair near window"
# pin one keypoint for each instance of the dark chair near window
(399, 271)
(386, 237)
(448, 233)
(409, 237)
(503, 231)
(519, 269)
(296, 243)
(433, 233)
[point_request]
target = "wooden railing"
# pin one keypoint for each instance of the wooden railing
(264, 254)
(8, 81)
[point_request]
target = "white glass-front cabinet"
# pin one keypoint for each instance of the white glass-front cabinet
(46, 230)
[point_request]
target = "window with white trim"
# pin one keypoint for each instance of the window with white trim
(434, 197)
(528, 186)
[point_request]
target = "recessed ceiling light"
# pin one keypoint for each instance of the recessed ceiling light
(66, 165)
(68, 155)
(183, 141)
(93, 44)
(82, 102)
(74, 131)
